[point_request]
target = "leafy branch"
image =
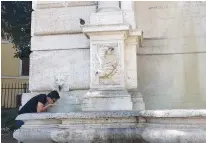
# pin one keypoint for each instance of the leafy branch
(16, 25)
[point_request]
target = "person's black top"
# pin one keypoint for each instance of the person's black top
(31, 105)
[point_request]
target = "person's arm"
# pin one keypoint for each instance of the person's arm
(42, 108)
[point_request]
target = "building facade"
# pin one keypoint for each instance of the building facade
(126, 71)
(14, 74)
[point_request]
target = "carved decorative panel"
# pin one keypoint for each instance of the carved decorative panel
(106, 65)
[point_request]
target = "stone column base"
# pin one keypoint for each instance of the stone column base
(137, 100)
(106, 100)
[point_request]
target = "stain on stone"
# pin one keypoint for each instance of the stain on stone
(97, 139)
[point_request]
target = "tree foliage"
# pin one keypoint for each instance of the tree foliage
(16, 25)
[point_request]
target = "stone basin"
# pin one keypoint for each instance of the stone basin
(158, 126)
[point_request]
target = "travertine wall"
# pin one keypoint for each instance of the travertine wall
(171, 68)
(171, 63)
(60, 50)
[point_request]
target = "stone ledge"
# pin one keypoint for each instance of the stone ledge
(173, 113)
(103, 28)
(59, 42)
(114, 114)
(74, 115)
(118, 126)
(58, 4)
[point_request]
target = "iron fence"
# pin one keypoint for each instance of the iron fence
(9, 92)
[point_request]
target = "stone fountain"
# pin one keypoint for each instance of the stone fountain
(89, 52)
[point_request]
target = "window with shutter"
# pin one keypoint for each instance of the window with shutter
(25, 67)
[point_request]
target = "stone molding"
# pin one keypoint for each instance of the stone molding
(105, 28)
(177, 113)
(160, 126)
(58, 4)
(59, 42)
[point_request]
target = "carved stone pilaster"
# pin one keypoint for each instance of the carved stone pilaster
(113, 67)
(107, 69)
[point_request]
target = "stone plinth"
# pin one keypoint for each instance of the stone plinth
(112, 67)
(113, 99)
(158, 126)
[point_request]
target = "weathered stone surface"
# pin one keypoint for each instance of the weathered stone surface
(69, 102)
(163, 135)
(128, 8)
(176, 45)
(122, 51)
(60, 20)
(173, 113)
(110, 71)
(137, 100)
(107, 66)
(106, 18)
(130, 59)
(89, 29)
(174, 126)
(171, 74)
(76, 115)
(59, 42)
(57, 4)
(98, 135)
(172, 80)
(170, 62)
(66, 68)
(171, 19)
(96, 100)
(35, 134)
(105, 6)
(160, 126)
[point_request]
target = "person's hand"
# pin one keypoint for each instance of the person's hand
(51, 105)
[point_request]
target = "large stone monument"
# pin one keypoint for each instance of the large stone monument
(126, 72)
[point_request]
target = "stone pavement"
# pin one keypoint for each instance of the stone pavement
(5, 138)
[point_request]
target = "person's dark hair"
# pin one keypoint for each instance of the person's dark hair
(54, 95)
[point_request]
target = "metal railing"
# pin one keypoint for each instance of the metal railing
(9, 92)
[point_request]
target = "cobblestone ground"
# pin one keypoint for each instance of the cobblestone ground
(7, 138)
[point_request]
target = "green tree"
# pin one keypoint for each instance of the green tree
(16, 25)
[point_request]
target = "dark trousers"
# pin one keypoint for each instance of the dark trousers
(19, 124)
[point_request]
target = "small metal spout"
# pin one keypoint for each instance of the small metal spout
(60, 87)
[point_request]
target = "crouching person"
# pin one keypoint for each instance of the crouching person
(37, 104)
